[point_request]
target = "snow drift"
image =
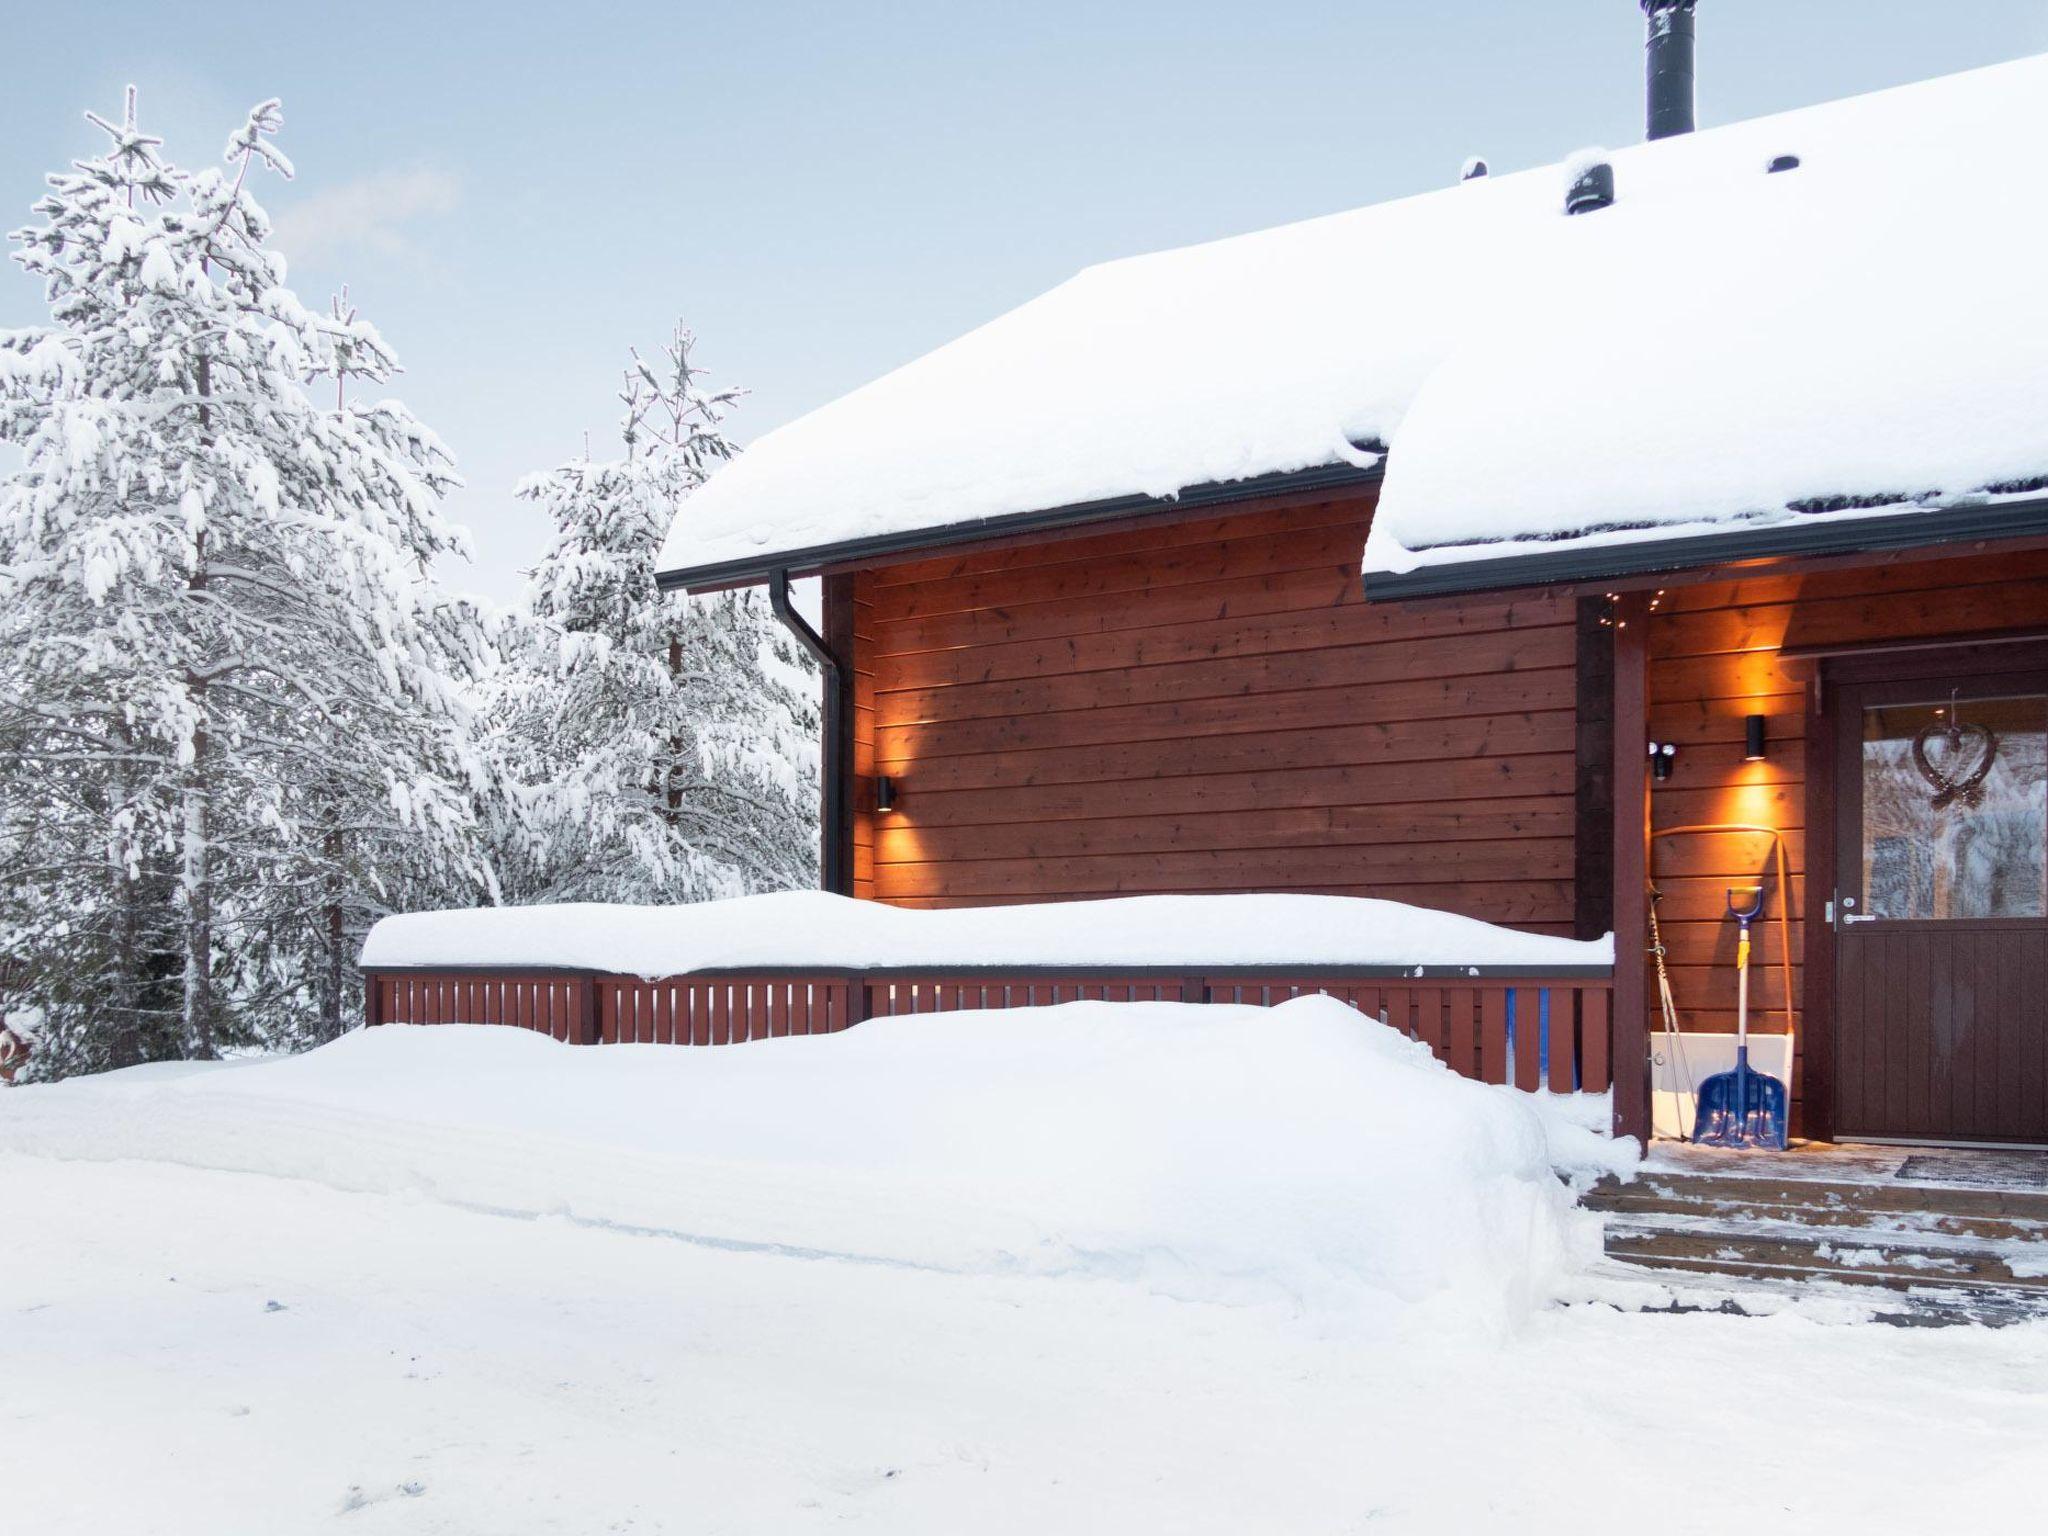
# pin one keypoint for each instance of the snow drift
(1214, 1152)
(814, 928)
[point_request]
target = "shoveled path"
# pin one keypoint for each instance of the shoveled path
(185, 1351)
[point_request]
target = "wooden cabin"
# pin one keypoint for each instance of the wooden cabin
(1466, 549)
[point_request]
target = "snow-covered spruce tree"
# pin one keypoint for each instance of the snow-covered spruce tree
(217, 602)
(662, 743)
(86, 881)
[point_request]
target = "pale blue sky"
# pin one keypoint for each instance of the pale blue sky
(514, 192)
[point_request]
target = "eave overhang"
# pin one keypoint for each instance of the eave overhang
(757, 569)
(1826, 534)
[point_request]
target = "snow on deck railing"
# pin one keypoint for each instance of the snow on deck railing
(799, 930)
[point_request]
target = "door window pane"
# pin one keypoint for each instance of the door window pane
(1955, 809)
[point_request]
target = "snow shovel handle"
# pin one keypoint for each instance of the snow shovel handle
(1742, 985)
(1744, 903)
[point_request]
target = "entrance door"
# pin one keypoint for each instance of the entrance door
(1941, 910)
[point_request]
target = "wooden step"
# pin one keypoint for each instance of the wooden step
(1654, 1197)
(1845, 1256)
(1821, 1195)
(1763, 1292)
(1954, 1236)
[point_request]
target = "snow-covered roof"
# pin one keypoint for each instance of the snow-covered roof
(1864, 335)
(1721, 346)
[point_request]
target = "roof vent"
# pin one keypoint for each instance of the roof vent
(1591, 188)
(1668, 64)
(1782, 163)
(1472, 170)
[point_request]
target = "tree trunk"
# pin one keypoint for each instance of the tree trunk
(672, 774)
(330, 1001)
(124, 1042)
(196, 876)
(196, 882)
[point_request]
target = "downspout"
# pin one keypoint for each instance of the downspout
(835, 771)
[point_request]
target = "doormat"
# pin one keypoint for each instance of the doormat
(1977, 1170)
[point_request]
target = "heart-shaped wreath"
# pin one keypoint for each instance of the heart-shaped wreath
(1951, 785)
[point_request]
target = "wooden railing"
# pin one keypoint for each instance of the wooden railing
(1529, 1028)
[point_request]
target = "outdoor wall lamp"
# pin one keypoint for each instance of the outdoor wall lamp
(1662, 755)
(1753, 739)
(885, 794)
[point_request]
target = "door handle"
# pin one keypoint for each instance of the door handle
(1859, 917)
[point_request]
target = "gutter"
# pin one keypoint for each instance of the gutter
(1824, 535)
(835, 767)
(754, 570)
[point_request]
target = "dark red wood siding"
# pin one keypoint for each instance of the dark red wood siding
(1211, 706)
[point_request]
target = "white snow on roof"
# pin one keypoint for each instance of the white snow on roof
(1718, 343)
(1723, 344)
(1271, 351)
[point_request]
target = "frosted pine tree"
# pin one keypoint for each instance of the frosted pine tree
(662, 742)
(86, 790)
(217, 584)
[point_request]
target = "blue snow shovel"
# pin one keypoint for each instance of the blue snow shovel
(1741, 1108)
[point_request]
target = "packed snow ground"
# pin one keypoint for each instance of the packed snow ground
(342, 1329)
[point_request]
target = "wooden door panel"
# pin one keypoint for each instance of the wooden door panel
(1941, 998)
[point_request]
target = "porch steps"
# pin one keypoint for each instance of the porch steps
(1938, 1252)
(1620, 1282)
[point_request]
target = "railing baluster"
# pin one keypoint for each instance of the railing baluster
(1461, 1041)
(1528, 1027)
(1561, 1024)
(1493, 1035)
(1596, 1038)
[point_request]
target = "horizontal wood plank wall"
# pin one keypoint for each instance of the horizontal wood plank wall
(1211, 706)
(863, 746)
(1714, 660)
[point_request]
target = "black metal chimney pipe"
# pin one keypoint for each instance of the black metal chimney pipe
(1668, 64)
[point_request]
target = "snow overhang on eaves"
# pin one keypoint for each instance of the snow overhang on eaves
(1565, 563)
(1650, 385)
(757, 569)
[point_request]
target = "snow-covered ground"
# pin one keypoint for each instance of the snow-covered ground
(1099, 1268)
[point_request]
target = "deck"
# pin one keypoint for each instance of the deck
(1945, 1234)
